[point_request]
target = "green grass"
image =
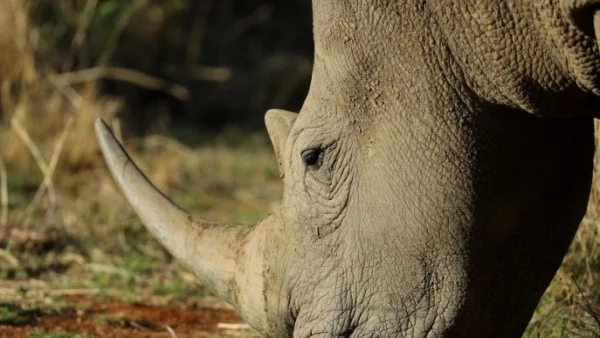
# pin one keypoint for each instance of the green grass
(55, 334)
(121, 320)
(171, 288)
(13, 315)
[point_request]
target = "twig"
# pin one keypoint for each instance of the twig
(67, 91)
(58, 147)
(86, 292)
(47, 170)
(171, 331)
(5, 98)
(200, 11)
(36, 153)
(106, 269)
(33, 149)
(586, 305)
(257, 17)
(115, 35)
(86, 19)
(228, 326)
(12, 260)
(137, 325)
(80, 33)
(125, 75)
(214, 74)
(3, 195)
(74, 292)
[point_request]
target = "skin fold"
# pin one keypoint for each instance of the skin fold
(433, 179)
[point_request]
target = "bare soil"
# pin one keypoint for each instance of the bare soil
(97, 318)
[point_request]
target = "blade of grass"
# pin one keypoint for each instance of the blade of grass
(39, 159)
(171, 331)
(115, 35)
(3, 196)
(58, 147)
(85, 19)
(586, 304)
(12, 260)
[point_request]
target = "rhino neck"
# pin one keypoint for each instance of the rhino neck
(525, 55)
(475, 42)
(531, 185)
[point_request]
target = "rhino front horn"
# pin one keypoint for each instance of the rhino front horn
(226, 258)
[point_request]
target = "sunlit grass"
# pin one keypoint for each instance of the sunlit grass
(571, 305)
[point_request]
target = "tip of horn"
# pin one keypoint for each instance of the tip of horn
(100, 123)
(102, 130)
(108, 142)
(146, 199)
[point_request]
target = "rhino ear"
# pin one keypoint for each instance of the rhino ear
(577, 36)
(279, 123)
(583, 14)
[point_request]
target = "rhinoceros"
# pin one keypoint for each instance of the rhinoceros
(433, 179)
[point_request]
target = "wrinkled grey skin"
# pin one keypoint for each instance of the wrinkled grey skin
(457, 144)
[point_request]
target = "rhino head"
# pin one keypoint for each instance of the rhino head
(433, 179)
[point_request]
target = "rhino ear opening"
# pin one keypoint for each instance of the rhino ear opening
(279, 123)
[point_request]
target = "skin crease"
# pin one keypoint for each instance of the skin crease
(433, 179)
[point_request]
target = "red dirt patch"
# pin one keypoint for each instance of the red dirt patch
(115, 319)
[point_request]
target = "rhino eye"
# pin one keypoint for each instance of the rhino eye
(313, 158)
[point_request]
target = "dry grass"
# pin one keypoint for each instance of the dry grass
(571, 305)
(66, 230)
(31, 95)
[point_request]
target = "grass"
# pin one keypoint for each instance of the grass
(121, 320)
(55, 334)
(66, 230)
(571, 305)
(12, 315)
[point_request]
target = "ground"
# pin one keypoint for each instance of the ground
(83, 316)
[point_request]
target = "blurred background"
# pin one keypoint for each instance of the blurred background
(185, 84)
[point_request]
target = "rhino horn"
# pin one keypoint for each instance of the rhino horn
(228, 259)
